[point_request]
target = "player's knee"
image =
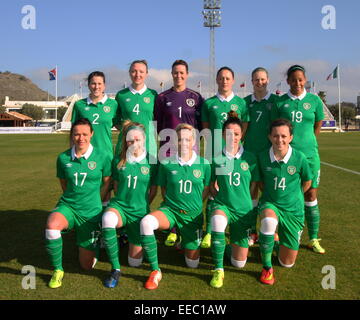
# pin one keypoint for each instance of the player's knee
(109, 220)
(192, 263)
(287, 263)
(218, 223)
(148, 224)
(238, 263)
(268, 225)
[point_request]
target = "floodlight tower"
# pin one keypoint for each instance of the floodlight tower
(212, 19)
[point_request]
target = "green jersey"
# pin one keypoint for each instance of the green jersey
(283, 179)
(184, 183)
(256, 138)
(83, 180)
(303, 112)
(215, 111)
(234, 176)
(102, 117)
(133, 183)
(137, 106)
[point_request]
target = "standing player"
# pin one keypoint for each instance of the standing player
(184, 181)
(174, 106)
(259, 105)
(235, 172)
(100, 111)
(214, 113)
(136, 103)
(285, 175)
(305, 111)
(133, 178)
(82, 171)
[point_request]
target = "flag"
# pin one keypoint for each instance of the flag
(242, 85)
(333, 75)
(52, 74)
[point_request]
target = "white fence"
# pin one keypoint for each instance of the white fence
(26, 130)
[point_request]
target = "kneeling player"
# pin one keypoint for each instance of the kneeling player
(285, 176)
(134, 191)
(184, 182)
(235, 171)
(82, 171)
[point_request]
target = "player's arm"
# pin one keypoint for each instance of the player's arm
(317, 127)
(244, 128)
(115, 185)
(306, 185)
(261, 185)
(152, 193)
(253, 186)
(205, 193)
(213, 189)
(63, 183)
(105, 187)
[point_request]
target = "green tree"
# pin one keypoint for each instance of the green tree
(60, 113)
(35, 112)
(347, 111)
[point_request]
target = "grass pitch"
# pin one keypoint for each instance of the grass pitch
(29, 190)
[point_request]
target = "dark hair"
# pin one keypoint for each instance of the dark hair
(259, 69)
(96, 74)
(81, 121)
(225, 68)
(279, 123)
(233, 118)
(180, 63)
(294, 68)
(143, 61)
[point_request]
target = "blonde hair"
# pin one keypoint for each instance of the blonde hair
(186, 126)
(128, 125)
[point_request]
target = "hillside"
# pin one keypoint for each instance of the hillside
(18, 87)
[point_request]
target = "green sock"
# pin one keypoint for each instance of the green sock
(266, 249)
(218, 244)
(54, 250)
(208, 213)
(312, 217)
(111, 246)
(150, 247)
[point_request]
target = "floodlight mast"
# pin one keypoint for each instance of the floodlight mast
(212, 20)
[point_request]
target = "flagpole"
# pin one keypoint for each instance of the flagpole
(338, 77)
(56, 94)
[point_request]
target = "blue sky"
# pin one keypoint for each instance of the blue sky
(84, 35)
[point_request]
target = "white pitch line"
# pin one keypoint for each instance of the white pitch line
(344, 169)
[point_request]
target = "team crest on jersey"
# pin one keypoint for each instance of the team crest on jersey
(146, 99)
(286, 105)
(197, 173)
(307, 106)
(291, 170)
(234, 107)
(106, 109)
(190, 102)
(244, 166)
(145, 170)
(91, 165)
